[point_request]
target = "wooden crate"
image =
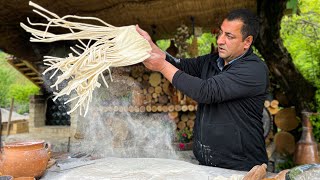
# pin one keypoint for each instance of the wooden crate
(16, 127)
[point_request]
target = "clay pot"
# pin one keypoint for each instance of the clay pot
(24, 178)
(24, 159)
(306, 151)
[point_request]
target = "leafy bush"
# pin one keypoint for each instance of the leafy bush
(14, 85)
(300, 34)
(21, 94)
(6, 80)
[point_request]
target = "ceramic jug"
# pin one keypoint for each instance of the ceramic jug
(24, 159)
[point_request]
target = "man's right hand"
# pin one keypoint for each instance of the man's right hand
(156, 61)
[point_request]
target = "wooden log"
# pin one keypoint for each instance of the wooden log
(148, 108)
(270, 149)
(267, 103)
(191, 107)
(183, 100)
(192, 115)
(273, 111)
(136, 109)
(145, 91)
(284, 143)
(145, 77)
(173, 115)
(158, 89)
(137, 98)
(274, 103)
(163, 99)
(181, 125)
(155, 95)
(150, 90)
(164, 108)
(286, 119)
(190, 123)
(184, 108)
(154, 108)
(148, 98)
(176, 120)
(184, 117)
(136, 72)
(167, 88)
(177, 107)
(142, 109)
(131, 109)
(159, 108)
(171, 108)
(179, 95)
(155, 79)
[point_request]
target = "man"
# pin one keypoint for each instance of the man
(230, 88)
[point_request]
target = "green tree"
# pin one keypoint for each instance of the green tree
(14, 85)
(300, 34)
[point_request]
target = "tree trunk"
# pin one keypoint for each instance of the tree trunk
(298, 90)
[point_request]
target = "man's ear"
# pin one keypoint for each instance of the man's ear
(248, 42)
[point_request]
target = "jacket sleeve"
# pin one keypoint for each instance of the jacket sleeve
(191, 66)
(245, 79)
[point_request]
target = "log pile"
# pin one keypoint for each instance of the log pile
(272, 106)
(183, 120)
(285, 120)
(153, 93)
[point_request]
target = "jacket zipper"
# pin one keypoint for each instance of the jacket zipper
(201, 124)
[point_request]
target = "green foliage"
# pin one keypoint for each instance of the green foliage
(163, 44)
(21, 93)
(204, 43)
(185, 135)
(287, 163)
(5, 81)
(301, 36)
(14, 85)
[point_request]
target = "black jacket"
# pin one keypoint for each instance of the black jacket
(228, 131)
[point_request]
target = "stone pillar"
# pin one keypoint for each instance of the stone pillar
(37, 111)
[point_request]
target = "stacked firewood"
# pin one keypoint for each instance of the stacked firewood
(154, 93)
(183, 120)
(272, 106)
(285, 121)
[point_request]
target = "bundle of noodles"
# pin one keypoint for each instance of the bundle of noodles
(108, 46)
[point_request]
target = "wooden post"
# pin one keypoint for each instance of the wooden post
(10, 115)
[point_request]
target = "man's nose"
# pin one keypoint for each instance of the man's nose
(221, 39)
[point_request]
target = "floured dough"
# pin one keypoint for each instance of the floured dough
(146, 169)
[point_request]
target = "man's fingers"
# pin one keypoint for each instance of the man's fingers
(141, 32)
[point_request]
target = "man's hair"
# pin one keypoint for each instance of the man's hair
(250, 22)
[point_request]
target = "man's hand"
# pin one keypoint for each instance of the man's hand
(156, 61)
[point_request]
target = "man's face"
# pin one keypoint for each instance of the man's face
(230, 43)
